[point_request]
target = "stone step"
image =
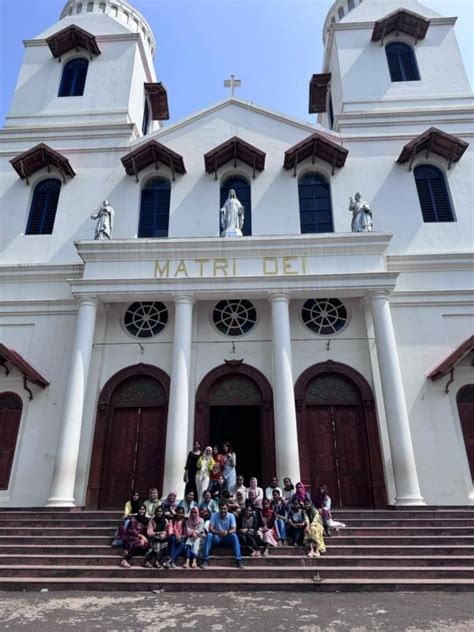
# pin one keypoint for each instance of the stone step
(274, 559)
(271, 572)
(190, 582)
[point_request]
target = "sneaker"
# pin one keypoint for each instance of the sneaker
(166, 565)
(204, 565)
(148, 565)
(172, 565)
(317, 554)
(125, 564)
(240, 564)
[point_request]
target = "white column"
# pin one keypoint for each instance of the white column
(64, 476)
(401, 447)
(178, 408)
(286, 433)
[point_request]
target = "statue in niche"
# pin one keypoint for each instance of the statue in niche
(105, 219)
(232, 216)
(361, 215)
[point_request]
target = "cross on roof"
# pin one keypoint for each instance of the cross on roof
(232, 83)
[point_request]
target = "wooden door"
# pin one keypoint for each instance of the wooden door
(151, 445)
(465, 401)
(333, 441)
(10, 416)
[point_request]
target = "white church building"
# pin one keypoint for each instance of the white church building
(322, 353)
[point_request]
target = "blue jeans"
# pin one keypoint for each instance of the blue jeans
(281, 527)
(296, 533)
(230, 539)
(175, 548)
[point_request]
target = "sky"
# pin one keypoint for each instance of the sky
(273, 46)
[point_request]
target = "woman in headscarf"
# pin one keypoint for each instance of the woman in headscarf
(300, 494)
(135, 537)
(258, 491)
(157, 537)
(169, 505)
(230, 462)
(194, 533)
(323, 502)
(266, 530)
(190, 469)
(204, 468)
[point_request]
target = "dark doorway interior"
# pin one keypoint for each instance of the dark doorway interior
(240, 425)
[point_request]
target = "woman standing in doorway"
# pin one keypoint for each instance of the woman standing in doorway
(230, 461)
(190, 469)
(204, 468)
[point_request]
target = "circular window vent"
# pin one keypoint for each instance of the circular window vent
(324, 316)
(144, 320)
(234, 318)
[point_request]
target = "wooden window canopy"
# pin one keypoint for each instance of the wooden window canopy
(448, 365)
(152, 153)
(433, 141)
(232, 150)
(158, 97)
(29, 373)
(401, 21)
(72, 38)
(318, 92)
(40, 156)
(316, 146)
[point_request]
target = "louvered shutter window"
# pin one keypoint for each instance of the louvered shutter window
(73, 79)
(43, 208)
(315, 204)
(155, 208)
(242, 191)
(401, 62)
(433, 194)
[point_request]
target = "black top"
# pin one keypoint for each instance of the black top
(191, 464)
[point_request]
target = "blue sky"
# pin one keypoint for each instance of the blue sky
(273, 46)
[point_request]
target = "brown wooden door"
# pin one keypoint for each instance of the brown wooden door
(10, 416)
(465, 400)
(320, 450)
(135, 453)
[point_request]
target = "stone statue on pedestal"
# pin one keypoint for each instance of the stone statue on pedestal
(232, 217)
(105, 220)
(361, 215)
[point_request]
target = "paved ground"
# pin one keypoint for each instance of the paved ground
(242, 612)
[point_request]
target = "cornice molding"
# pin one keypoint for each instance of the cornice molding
(39, 272)
(430, 262)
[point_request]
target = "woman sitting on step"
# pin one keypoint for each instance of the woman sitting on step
(135, 537)
(131, 509)
(266, 531)
(297, 522)
(194, 535)
(281, 510)
(176, 537)
(158, 538)
(169, 505)
(314, 534)
(247, 527)
(323, 503)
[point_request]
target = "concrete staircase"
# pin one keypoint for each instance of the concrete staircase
(380, 550)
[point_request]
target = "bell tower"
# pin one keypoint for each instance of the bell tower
(94, 67)
(388, 63)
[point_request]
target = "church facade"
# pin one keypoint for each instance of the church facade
(332, 342)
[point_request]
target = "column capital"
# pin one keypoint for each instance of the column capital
(379, 295)
(279, 297)
(92, 301)
(187, 299)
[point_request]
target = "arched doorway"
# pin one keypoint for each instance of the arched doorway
(234, 403)
(465, 402)
(130, 436)
(10, 416)
(338, 435)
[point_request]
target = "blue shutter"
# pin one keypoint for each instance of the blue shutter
(242, 190)
(43, 208)
(433, 194)
(401, 62)
(73, 79)
(155, 208)
(315, 204)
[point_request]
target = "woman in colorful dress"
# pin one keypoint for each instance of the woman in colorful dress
(190, 469)
(135, 537)
(323, 502)
(177, 537)
(266, 531)
(300, 494)
(230, 462)
(158, 538)
(194, 534)
(314, 533)
(204, 468)
(130, 510)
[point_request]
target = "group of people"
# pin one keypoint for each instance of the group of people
(219, 509)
